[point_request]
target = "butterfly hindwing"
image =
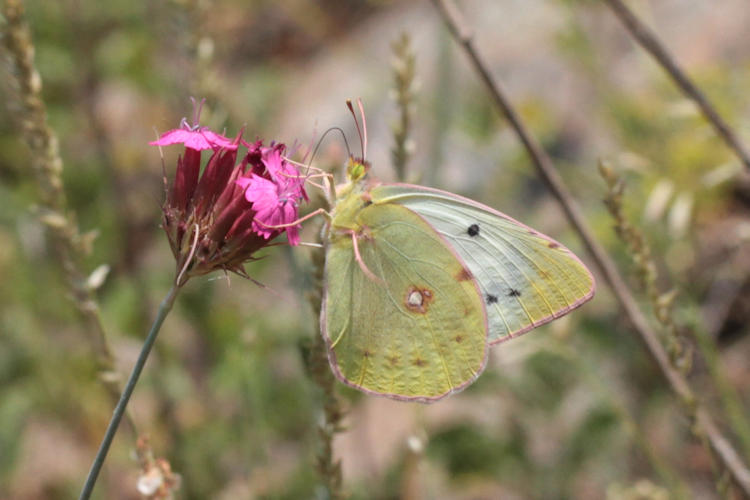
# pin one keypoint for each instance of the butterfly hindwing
(415, 328)
(526, 278)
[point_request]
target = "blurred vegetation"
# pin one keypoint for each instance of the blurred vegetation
(574, 410)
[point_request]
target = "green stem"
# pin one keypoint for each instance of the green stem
(164, 308)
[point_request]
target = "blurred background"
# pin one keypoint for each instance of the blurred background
(575, 409)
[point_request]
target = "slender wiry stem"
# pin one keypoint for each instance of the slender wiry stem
(47, 167)
(703, 422)
(647, 39)
(164, 308)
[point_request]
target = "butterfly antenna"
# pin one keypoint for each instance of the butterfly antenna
(320, 141)
(363, 137)
(356, 123)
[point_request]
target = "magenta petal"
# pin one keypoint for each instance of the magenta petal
(199, 139)
(261, 192)
(292, 235)
(273, 162)
(175, 136)
(218, 140)
(243, 182)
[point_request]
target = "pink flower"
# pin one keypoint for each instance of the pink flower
(229, 205)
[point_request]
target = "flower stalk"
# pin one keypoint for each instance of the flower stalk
(114, 423)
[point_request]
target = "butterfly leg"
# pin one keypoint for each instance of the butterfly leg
(361, 262)
(298, 221)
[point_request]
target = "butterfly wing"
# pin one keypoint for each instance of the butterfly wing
(415, 328)
(526, 278)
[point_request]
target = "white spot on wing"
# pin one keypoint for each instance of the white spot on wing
(415, 299)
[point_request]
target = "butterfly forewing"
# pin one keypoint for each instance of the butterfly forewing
(412, 324)
(525, 278)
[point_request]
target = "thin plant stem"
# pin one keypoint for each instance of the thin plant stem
(703, 423)
(164, 308)
(650, 43)
(53, 211)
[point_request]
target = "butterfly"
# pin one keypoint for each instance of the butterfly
(419, 283)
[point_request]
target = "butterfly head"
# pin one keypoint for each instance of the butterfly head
(356, 169)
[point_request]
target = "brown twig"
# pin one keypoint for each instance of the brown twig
(703, 422)
(47, 166)
(647, 39)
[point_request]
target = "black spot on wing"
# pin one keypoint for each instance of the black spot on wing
(514, 293)
(473, 230)
(491, 299)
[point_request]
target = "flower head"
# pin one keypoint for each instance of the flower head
(219, 218)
